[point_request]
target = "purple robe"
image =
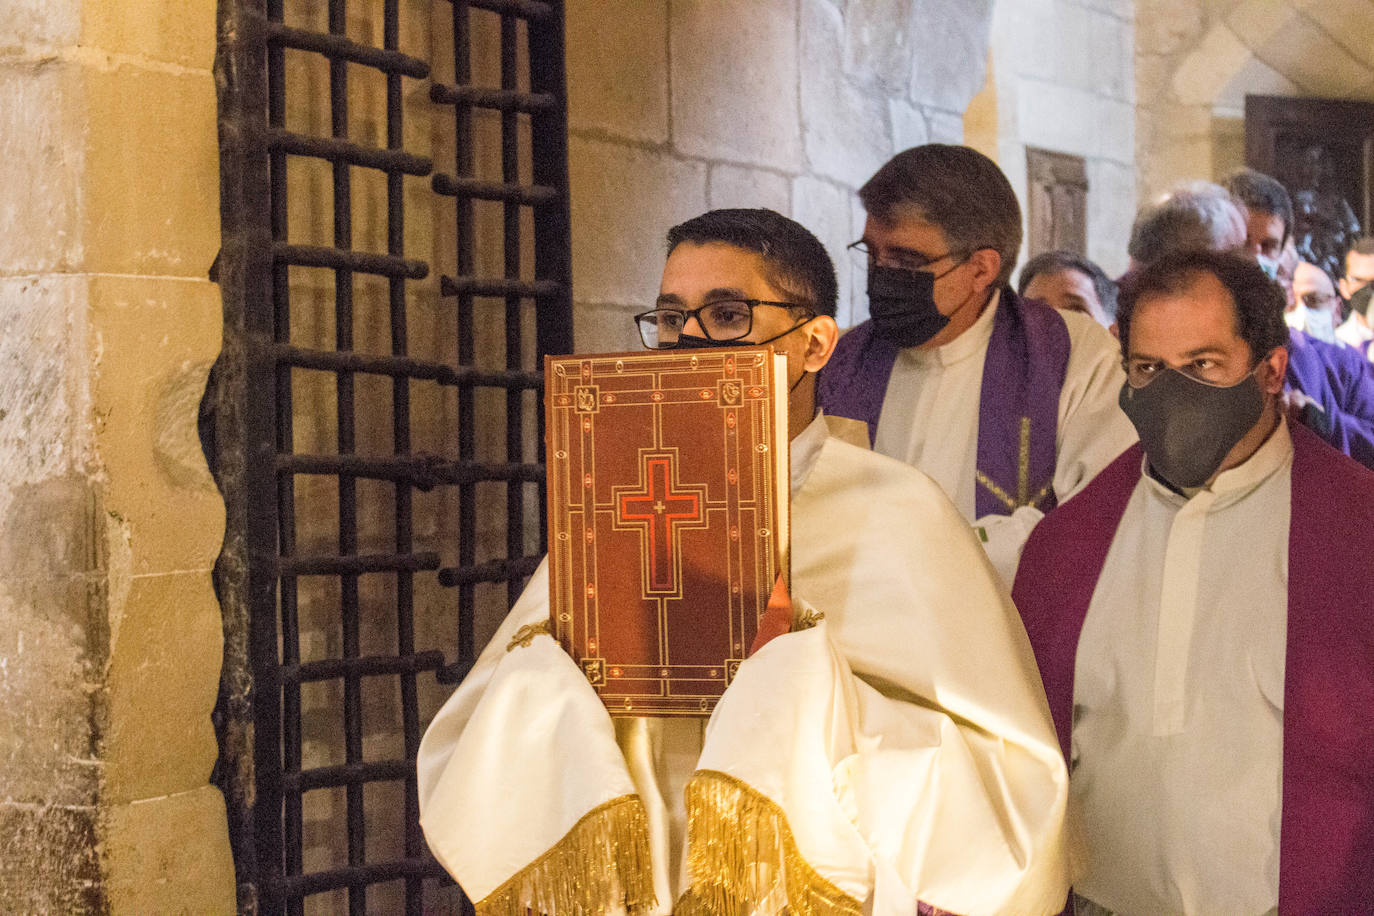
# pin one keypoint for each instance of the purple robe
(1341, 381)
(1018, 419)
(1326, 839)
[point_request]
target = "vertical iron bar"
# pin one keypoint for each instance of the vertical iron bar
(467, 435)
(348, 486)
(510, 174)
(400, 412)
(290, 697)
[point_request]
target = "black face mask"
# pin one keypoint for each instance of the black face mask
(1359, 300)
(902, 305)
(1187, 427)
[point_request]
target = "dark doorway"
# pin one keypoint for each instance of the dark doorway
(1322, 150)
(374, 421)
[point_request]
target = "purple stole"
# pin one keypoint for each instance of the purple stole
(1018, 418)
(1326, 843)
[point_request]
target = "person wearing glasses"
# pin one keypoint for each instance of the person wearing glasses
(1007, 403)
(1203, 617)
(892, 754)
(1316, 308)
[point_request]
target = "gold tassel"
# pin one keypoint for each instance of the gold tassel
(603, 859)
(742, 856)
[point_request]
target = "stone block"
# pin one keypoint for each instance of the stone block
(1111, 53)
(1167, 26)
(151, 183)
(844, 127)
(737, 186)
(48, 660)
(1350, 22)
(877, 43)
(733, 82)
(42, 161)
(54, 23)
(166, 645)
(152, 342)
(169, 855)
(945, 126)
(1208, 68)
(179, 33)
(1254, 78)
(1059, 118)
(1111, 211)
(949, 52)
(601, 328)
(1315, 62)
(1076, 61)
(825, 209)
(1115, 126)
(624, 200)
(1257, 22)
(909, 127)
(618, 69)
(50, 862)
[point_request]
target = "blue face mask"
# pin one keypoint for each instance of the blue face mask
(1269, 265)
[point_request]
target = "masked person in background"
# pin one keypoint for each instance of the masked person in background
(1359, 274)
(1008, 404)
(1203, 618)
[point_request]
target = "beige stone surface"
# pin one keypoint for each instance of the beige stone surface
(945, 126)
(1111, 210)
(909, 127)
(152, 343)
(39, 22)
(617, 63)
(1349, 22)
(844, 127)
(601, 328)
(948, 52)
(166, 643)
(151, 192)
(182, 34)
(737, 186)
(1313, 60)
(624, 200)
(35, 880)
(878, 43)
(824, 208)
(733, 82)
(169, 855)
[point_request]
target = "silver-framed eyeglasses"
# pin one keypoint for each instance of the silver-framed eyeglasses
(722, 321)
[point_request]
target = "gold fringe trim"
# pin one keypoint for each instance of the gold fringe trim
(602, 860)
(525, 635)
(741, 856)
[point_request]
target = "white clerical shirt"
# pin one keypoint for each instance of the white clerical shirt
(1177, 742)
(931, 410)
(1355, 333)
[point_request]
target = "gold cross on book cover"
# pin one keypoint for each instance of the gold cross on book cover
(668, 524)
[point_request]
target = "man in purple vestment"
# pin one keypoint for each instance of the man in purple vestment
(1202, 614)
(1007, 403)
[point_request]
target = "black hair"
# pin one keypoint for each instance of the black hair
(1053, 262)
(796, 260)
(1364, 245)
(956, 189)
(1259, 301)
(1264, 194)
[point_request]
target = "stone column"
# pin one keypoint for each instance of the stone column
(110, 637)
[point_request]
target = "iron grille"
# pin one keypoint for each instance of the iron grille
(323, 634)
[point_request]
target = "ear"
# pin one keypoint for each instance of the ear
(1275, 368)
(985, 264)
(822, 333)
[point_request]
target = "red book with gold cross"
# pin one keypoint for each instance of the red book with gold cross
(668, 524)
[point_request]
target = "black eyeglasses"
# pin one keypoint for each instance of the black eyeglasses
(903, 260)
(721, 321)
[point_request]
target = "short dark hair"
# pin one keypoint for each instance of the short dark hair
(1364, 245)
(1259, 192)
(1053, 262)
(1199, 216)
(796, 261)
(955, 188)
(1259, 301)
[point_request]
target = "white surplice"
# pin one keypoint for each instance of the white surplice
(905, 738)
(1177, 744)
(1354, 332)
(932, 406)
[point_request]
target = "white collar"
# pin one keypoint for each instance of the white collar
(973, 341)
(805, 449)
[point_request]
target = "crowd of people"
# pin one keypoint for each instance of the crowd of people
(1082, 608)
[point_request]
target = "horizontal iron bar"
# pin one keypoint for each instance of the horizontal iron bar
(346, 774)
(298, 886)
(402, 367)
(421, 471)
(356, 564)
(387, 160)
(529, 195)
(479, 286)
(525, 9)
(341, 48)
(494, 99)
(491, 571)
(362, 262)
(368, 666)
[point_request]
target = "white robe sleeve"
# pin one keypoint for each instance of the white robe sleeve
(1092, 429)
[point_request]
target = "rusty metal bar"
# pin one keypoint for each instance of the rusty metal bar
(494, 99)
(334, 361)
(423, 472)
(386, 160)
(341, 49)
(352, 774)
(490, 571)
(319, 882)
(361, 262)
(525, 9)
(356, 564)
(369, 666)
(477, 286)
(510, 191)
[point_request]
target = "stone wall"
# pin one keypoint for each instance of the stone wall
(1062, 79)
(109, 521)
(677, 106)
(1197, 59)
